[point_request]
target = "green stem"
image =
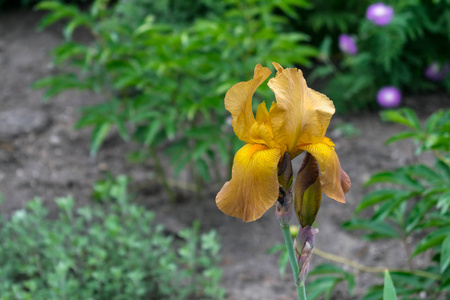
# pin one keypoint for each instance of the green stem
(358, 266)
(301, 292)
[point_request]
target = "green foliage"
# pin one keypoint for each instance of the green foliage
(284, 257)
(393, 55)
(414, 202)
(109, 251)
(163, 68)
(389, 292)
(325, 277)
(30, 3)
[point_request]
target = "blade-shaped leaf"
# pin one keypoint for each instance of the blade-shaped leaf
(398, 176)
(380, 196)
(405, 116)
(433, 239)
(401, 136)
(389, 292)
(98, 136)
(445, 254)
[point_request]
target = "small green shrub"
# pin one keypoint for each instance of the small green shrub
(163, 68)
(109, 251)
(416, 208)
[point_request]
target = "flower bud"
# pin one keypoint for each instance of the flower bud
(285, 172)
(304, 245)
(293, 229)
(283, 206)
(308, 192)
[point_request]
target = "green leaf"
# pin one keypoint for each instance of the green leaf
(152, 130)
(417, 214)
(322, 285)
(202, 168)
(58, 84)
(445, 254)
(398, 176)
(98, 136)
(380, 229)
(380, 196)
(443, 169)
(401, 136)
(433, 239)
(432, 121)
(200, 148)
(48, 5)
(73, 24)
(389, 292)
(422, 171)
(60, 11)
(388, 208)
(405, 116)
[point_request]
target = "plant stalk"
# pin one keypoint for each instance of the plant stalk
(358, 266)
(301, 292)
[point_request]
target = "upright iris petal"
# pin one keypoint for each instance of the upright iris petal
(296, 122)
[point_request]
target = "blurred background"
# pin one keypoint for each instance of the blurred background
(114, 141)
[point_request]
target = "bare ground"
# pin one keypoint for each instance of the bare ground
(42, 155)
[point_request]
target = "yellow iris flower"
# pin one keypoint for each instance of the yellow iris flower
(296, 122)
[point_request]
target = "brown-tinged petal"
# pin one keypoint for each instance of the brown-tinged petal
(238, 101)
(254, 186)
(334, 181)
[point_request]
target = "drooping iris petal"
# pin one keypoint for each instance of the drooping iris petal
(238, 101)
(253, 187)
(300, 112)
(335, 182)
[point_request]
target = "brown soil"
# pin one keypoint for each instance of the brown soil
(48, 158)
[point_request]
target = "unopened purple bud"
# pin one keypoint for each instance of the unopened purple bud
(380, 14)
(306, 234)
(304, 245)
(436, 72)
(347, 44)
(389, 96)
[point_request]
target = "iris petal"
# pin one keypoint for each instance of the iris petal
(254, 186)
(238, 101)
(301, 114)
(335, 182)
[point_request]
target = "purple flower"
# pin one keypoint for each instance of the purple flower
(347, 44)
(389, 96)
(436, 72)
(380, 14)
